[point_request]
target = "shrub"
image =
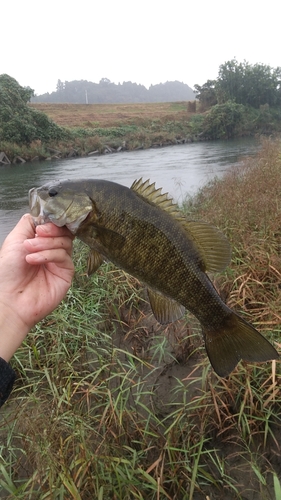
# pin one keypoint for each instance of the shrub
(222, 120)
(18, 122)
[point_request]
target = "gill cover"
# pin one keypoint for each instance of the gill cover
(60, 204)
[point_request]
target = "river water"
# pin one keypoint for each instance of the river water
(180, 170)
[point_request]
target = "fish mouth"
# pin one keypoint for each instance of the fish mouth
(36, 205)
(42, 210)
(39, 211)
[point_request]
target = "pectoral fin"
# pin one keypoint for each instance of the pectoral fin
(95, 260)
(165, 310)
(110, 239)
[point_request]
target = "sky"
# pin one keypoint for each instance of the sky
(147, 41)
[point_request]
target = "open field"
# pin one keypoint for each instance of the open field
(80, 129)
(113, 115)
(107, 128)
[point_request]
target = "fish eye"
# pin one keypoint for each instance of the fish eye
(52, 192)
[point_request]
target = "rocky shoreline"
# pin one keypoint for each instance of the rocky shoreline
(56, 154)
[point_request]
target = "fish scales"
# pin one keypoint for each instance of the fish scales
(169, 254)
(148, 234)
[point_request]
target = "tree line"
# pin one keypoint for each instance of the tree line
(84, 92)
(242, 83)
(244, 100)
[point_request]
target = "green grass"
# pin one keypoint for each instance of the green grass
(93, 127)
(109, 405)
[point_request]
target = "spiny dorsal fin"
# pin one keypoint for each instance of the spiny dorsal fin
(212, 245)
(153, 195)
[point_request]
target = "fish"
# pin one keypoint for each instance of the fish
(143, 232)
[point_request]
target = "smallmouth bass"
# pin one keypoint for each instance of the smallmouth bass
(141, 230)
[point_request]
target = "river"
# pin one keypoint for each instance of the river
(180, 170)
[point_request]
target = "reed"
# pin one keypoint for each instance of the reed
(110, 405)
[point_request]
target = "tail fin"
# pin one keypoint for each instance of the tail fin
(236, 340)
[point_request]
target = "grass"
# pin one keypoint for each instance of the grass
(104, 128)
(112, 115)
(95, 127)
(109, 405)
(127, 126)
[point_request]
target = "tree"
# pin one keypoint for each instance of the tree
(251, 85)
(60, 86)
(230, 81)
(207, 93)
(19, 122)
(104, 81)
(108, 92)
(243, 83)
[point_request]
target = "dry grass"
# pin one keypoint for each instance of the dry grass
(109, 405)
(112, 115)
(246, 206)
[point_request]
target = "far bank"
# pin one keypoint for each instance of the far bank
(95, 129)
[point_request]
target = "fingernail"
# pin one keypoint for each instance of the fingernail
(45, 228)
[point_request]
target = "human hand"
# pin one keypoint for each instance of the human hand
(36, 271)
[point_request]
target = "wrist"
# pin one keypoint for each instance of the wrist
(12, 332)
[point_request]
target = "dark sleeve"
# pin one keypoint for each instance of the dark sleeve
(7, 378)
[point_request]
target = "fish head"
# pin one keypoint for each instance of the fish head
(61, 203)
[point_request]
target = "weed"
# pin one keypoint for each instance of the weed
(109, 405)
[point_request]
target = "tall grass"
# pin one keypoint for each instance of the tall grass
(96, 127)
(109, 405)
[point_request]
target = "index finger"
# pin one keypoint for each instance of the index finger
(50, 230)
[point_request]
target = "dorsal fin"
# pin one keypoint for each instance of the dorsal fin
(212, 245)
(153, 195)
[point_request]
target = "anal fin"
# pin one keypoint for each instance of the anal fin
(165, 310)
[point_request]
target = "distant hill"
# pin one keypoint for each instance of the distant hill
(84, 92)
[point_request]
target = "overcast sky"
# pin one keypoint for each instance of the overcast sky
(147, 41)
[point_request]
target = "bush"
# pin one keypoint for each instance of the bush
(18, 122)
(223, 120)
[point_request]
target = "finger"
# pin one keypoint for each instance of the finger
(56, 256)
(24, 229)
(50, 229)
(40, 244)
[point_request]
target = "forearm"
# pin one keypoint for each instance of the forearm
(12, 334)
(12, 331)
(36, 271)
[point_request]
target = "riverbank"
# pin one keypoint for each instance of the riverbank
(108, 404)
(95, 129)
